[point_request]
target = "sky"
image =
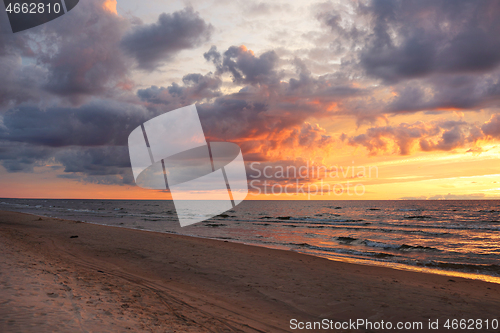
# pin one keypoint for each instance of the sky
(388, 99)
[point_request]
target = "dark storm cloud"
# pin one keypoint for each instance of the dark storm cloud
(195, 88)
(153, 44)
(21, 157)
(153, 94)
(324, 88)
(214, 56)
(94, 124)
(18, 83)
(72, 57)
(102, 165)
(233, 118)
(82, 64)
(436, 55)
(415, 38)
(347, 31)
(463, 92)
(59, 59)
(95, 160)
(244, 66)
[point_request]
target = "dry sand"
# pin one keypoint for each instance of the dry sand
(120, 280)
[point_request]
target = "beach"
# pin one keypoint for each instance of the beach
(68, 276)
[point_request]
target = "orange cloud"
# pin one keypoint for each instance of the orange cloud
(243, 48)
(110, 6)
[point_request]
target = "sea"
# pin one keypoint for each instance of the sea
(456, 238)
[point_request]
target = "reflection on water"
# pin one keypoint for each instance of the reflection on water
(454, 236)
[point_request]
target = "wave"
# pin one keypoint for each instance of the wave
(14, 204)
(224, 216)
(403, 247)
(444, 226)
(472, 268)
(214, 225)
(418, 217)
(406, 247)
(385, 246)
(380, 255)
(312, 220)
(346, 240)
(327, 214)
(78, 210)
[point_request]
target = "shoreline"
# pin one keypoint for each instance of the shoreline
(361, 261)
(364, 262)
(366, 247)
(219, 285)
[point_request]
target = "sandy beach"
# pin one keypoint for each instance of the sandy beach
(65, 276)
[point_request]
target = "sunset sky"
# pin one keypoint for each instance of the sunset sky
(408, 88)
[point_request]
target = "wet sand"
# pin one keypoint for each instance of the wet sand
(111, 279)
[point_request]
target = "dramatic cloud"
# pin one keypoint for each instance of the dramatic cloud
(403, 138)
(435, 55)
(90, 141)
(264, 132)
(244, 66)
(84, 63)
(153, 44)
(83, 54)
(415, 38)
(266, 117)
(94, 124)
(102, 165)
(18, 82)
(106, 165)
(492, 127)
(73, 57)
(458, 92)
(196, 88)
(68, 96)
(16, 157)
